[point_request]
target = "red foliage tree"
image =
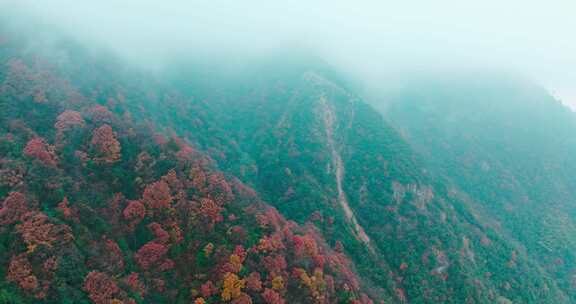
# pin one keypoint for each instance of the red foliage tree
(171, 178)
(186, 154)
(134, 212)
(67, 212)
(20, 272)
(114, 254)
(253, 282)
(272, 297)
(150, 254)
(99, 113)
(50, 264)
(175, 232)
(271, 243)
(13, 208)
(100, 287)
(38, 148)
(36, 230)
(157, 195)
(242, 299)
(105, 145)
(198, 178)
(168, 264)
(11, 173)
(210, 211)
(69, 120)
(162, 236)
(275, 264)
(219, 189)
(208, 289)
(133, 282)
(29, 283)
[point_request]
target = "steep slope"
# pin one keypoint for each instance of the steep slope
(329, 118)
(298, 123)
(511, 147)
(97, 206)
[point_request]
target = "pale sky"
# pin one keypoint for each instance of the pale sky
(368, 38)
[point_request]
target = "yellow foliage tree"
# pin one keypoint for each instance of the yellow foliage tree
(278, 283)
(232, 287)
(236, 262)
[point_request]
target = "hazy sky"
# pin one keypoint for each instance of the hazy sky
(370, 38)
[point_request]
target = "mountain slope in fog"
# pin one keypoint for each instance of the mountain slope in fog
(511, 147)
(432, 241)
(360, 215)
(99, 205)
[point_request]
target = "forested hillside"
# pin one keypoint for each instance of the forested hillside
(100, 207)
(511, 147)
(269, 181)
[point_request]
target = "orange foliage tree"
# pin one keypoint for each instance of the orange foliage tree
(232, 287)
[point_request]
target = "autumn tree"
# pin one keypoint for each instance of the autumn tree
(67, 121)
(20, 272)
(37, 230)
(210, 211)
(272, 297)
(219, 189)
(134, 283)
(69, 213)
(150, 254)
(231, 287)
(208, 289)
(13, 208)
(134, 213)
(162, 236)
(100, 287)
(106, 256)
(38, 148)
(278, 283)
(157, 195)
(100, 113)
(234, 264)
(243, 298)
(253, 282)
(105, 145)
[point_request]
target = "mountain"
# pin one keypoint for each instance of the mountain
(307, 136)
(510, 147)
(99, 205)
(269, 180)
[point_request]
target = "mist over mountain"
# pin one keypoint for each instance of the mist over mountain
(219, 153)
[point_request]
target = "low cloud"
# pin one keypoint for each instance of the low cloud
(371, 39)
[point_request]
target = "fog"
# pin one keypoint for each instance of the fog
(373, 40)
